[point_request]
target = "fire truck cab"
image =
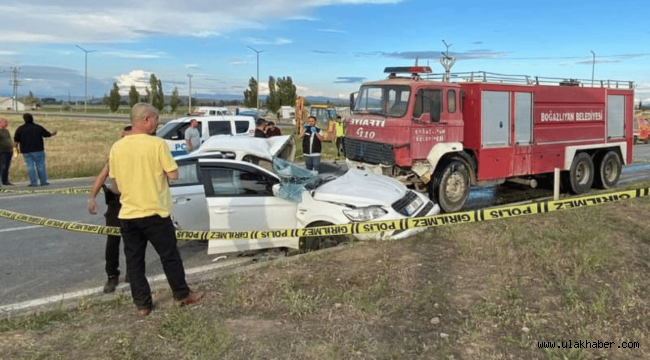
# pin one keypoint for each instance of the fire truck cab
(442, 136)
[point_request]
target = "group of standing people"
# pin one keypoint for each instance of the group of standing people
(266, 129)
(135, 181)
(28, 141)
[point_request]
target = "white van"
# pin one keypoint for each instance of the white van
(210, 110)
(174, 131)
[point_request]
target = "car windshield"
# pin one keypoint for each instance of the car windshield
(387, 100)
(162, 132)
(295, 179)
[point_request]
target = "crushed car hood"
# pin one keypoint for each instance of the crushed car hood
(360, 188)
(265, 148)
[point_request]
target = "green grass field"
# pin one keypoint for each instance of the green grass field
(490, 291)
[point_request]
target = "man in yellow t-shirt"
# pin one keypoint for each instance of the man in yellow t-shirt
(140, 166)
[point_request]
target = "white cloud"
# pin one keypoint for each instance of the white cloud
(139, 78)
(134, 55)
(66, 21)
(302, 18)
(278, 41)
(333, 31)
(237, 61)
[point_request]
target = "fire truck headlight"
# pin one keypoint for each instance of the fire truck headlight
(365, 213)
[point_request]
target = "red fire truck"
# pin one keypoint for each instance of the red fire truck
(444, 136)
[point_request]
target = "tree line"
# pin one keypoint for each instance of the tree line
(282, 91)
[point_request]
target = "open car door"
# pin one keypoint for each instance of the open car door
(189, 205)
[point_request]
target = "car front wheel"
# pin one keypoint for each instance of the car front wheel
(313, 243)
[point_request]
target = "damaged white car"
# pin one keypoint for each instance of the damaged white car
(233, 184)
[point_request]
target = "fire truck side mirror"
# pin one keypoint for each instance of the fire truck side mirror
(424, 118)
(352, 101)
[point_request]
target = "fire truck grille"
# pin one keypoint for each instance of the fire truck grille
(369, 152)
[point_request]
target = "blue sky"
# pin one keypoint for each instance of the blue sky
(328, 47)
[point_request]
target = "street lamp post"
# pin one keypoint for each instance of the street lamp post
(85, 77)
(257, 98)
(189, 109)
(593, 67)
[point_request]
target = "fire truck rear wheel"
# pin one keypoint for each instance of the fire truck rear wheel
(451, 186)
(581, 174)
(609, 170)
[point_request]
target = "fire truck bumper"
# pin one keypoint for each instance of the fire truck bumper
(371, 168)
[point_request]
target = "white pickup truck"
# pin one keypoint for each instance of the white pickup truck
(234, 125)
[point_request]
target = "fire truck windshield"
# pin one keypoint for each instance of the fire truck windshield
(387, 100)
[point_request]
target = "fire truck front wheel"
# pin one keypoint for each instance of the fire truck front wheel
(581, 175)
(451, 186)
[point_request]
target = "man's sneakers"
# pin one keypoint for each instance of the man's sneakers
(190, 299)
(143, 312)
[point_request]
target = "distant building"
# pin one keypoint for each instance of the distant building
(286, 112)
(8, 104)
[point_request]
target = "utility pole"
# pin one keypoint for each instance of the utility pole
(14, 84)
(593, 66)
(189, 109)
(257, 98)
(85, 77)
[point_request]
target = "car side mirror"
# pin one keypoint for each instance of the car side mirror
(276, 189)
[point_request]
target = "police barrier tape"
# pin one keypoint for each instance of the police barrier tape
(53, 191)
(466, 217)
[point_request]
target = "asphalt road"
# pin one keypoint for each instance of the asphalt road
(38, 262)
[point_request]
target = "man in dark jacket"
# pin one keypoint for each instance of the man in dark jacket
(272, 130)
(311, 137)
(113, 208)
(6, 151)
(260, 127)
(29, 142)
